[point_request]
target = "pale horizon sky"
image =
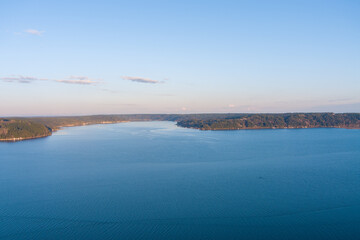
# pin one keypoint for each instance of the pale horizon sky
(123, 57)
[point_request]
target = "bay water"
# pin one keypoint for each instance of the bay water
(154, 180)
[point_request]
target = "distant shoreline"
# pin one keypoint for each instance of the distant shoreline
(273, 128)
(22, 138)
(230, 129)
(85, 124)
(19, 129)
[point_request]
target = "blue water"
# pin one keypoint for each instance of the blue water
(153, 180)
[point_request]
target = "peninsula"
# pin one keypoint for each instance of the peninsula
(21, 129)
(17, 129)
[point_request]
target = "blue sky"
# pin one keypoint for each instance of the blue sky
(104, 57)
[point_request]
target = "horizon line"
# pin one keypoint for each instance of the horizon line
(194, 113)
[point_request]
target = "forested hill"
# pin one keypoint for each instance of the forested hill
(16, 129)
(288, 120)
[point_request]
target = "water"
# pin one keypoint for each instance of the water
(153, 180)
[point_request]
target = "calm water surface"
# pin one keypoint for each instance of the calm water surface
(153, 180)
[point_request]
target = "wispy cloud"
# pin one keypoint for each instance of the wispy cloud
(140, 80)
(81, 80)
(340, 100)
(79, 77)
(109, 90)
(34, 32)
(19, 79)
(231, 105)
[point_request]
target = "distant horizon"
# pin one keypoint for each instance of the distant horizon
(83, 115)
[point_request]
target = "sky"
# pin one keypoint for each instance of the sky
(122, 57)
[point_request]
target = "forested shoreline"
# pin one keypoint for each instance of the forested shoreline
(15, 129)
(287, 120)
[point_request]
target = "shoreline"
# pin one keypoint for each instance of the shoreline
(265, 128)
(58, 128)
(18, 139)
(23, 138)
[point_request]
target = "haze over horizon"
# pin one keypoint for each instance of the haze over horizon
(124, 57)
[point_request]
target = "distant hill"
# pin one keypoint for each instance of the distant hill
(287, 120)
(15, 130)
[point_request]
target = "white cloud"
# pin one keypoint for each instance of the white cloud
(184, 109)
(79, 77)
(231, 105)
(83, 80)
(140, 79)
(34, 32)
